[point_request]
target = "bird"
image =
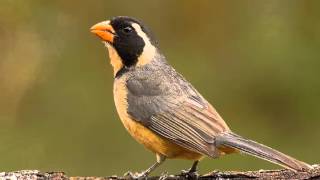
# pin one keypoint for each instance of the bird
(162, 110)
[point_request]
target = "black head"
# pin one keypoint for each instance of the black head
(128, 36)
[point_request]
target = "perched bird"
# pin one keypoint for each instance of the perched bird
(162, 110)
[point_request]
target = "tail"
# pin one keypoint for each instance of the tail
(231, 140)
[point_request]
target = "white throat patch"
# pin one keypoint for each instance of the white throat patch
(149, 51)
(115, 59)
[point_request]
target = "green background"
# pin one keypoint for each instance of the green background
(257, 62)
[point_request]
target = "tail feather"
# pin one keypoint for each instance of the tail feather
(250, 147)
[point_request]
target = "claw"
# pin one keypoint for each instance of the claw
(135, 176)
(163, 176)
(189, 174)
(144, 174)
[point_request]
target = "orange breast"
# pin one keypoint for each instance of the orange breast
(143, 135)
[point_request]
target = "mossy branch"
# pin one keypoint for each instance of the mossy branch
(221, 175)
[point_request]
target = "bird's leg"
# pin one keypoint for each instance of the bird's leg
(160, 160)
(194, 166)
(144, 174)
(192, 172)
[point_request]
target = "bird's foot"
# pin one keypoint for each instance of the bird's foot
(135, 176)
(163, 176)
(189, 174)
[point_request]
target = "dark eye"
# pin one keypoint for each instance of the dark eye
(127, 29)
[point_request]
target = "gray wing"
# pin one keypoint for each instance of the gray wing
(172, 108)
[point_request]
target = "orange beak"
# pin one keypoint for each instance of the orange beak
(104, 30)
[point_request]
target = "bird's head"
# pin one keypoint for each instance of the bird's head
(129, 42)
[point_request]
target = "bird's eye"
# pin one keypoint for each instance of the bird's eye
(127, 29)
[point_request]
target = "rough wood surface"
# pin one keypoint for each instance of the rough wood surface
(232, 175)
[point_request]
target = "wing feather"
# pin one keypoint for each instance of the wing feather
(186, 127)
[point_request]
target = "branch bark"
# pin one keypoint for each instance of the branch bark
(221, 175)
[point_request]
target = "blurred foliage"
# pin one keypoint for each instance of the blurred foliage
(257, 62)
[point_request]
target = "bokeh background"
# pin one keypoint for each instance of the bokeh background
(257, 62)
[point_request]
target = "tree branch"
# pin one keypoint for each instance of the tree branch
(221, 175)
